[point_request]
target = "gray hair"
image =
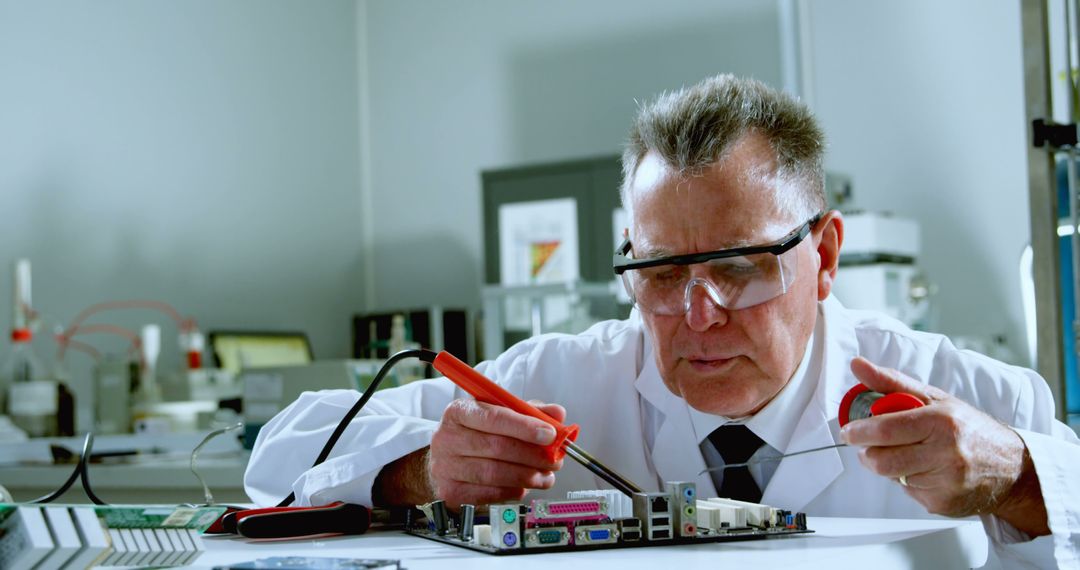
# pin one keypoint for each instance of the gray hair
(696, 126)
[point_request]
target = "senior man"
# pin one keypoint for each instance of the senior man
(735, 349)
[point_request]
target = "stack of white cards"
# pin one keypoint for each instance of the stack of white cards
(153, 547)
(75, 538)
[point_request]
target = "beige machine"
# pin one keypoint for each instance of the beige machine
(268, 390)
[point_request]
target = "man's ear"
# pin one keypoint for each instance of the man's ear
(828, 235)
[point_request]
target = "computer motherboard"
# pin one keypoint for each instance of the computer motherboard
(591, 520)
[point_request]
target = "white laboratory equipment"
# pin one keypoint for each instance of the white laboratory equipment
(516, 312)
(113, 379)
(411, 369)
(878, 269)
(269, 389)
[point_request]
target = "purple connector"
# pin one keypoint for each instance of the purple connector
(509, 539)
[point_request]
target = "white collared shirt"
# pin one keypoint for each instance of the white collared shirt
(774, 424)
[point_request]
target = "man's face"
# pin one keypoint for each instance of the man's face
(721, 361)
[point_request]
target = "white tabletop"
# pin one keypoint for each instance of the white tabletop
(876, 544)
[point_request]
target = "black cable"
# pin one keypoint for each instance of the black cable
(80, 471)
(83, 461)
(423, 354)
(67, 484)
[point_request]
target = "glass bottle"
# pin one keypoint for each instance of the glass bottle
(31, 401)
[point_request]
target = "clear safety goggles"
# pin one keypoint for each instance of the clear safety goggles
(733, 278)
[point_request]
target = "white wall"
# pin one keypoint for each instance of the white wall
(202, 153)
(458, 87)
(923, 105)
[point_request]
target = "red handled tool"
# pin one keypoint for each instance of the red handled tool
(484, 390)
(861, 402)
(288, 522)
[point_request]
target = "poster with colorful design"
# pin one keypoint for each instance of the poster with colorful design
(538, 244)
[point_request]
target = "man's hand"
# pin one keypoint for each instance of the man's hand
(482, 454)
(956, 460)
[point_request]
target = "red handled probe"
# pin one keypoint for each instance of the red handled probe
(484, 390)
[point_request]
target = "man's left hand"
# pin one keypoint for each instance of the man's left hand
(954, 459)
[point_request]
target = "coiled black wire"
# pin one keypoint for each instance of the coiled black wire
(423, 354)
(80, 472)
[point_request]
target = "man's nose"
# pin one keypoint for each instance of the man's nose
(704, 306)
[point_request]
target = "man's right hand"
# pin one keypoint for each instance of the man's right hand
(482, 453)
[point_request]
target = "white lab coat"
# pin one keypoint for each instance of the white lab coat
(607, 380)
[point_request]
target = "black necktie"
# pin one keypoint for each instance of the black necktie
(736, 443)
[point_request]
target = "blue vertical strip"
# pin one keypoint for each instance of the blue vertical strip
(1068, 304)
(1068, 307)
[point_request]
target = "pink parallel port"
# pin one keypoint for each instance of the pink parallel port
(576, 508)
(566, 512)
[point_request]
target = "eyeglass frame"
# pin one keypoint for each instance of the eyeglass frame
(621, 263)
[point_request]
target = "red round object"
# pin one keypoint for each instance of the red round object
(21, 335)
(895, 402)
(845, 404)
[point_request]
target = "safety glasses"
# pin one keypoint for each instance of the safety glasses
(734, 278)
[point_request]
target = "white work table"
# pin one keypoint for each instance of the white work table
(154, 481)
(876, 544)
(163, 477)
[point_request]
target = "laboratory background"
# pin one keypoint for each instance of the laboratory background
(209, 207)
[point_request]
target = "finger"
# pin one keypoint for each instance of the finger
(456, 494)
(557, 412)
(490, 472)
(498, 420)
(472, 443)
(906, 460)
(888, 380)
(898, 428)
